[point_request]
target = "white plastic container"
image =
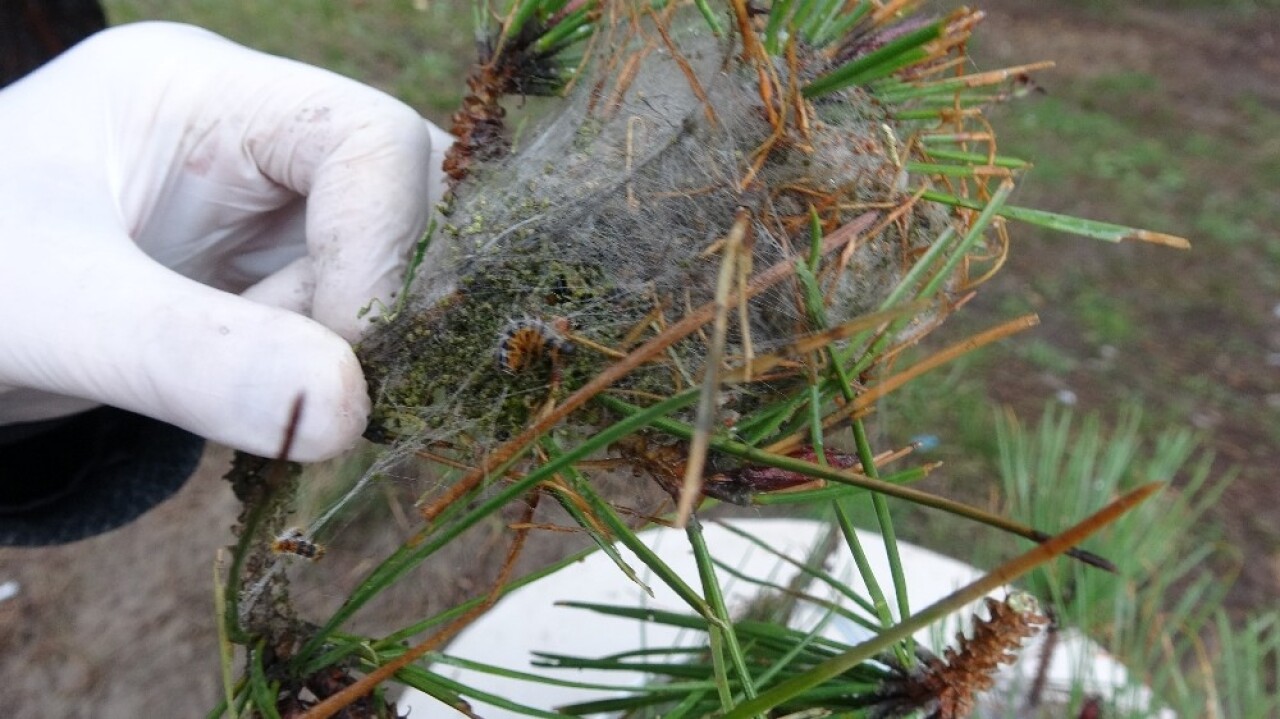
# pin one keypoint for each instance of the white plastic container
(529, 620)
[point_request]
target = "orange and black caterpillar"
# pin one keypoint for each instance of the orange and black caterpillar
(524, 340)
(294, 541)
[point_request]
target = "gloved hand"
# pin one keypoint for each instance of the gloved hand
(189, 229)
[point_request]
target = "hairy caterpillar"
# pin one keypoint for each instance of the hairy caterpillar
(294, 541)
(524, 340)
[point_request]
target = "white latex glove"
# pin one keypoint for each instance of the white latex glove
(188, 230)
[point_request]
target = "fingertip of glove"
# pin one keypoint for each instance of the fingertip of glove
(323, 378)
(333, 418)
(237, 382)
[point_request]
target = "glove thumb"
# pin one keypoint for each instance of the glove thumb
(117, 328)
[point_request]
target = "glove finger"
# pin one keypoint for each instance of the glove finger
(213, 140)
(289, 288)
(127, 332)
(370, 201)
(369, 166)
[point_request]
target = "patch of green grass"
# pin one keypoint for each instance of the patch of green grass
(1098, 145)
(1125, 82)
(1046, 356)
(1105, 319)
(1094, 157)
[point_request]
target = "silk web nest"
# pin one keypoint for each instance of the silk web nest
(607, 221)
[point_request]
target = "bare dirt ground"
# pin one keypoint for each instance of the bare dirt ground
(123, 625)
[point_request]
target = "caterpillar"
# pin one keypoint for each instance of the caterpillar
(294, 541)
(524, 340)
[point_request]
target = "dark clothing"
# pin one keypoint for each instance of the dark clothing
(33, 32)
(71, 478)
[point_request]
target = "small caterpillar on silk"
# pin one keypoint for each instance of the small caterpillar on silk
(524, 340)
(294, 541)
